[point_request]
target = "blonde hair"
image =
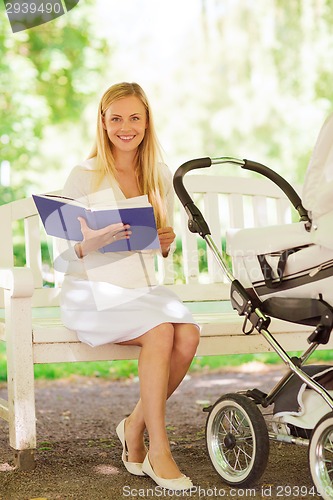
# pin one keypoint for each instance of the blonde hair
(148, 173)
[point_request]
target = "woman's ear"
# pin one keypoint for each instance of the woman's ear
(103, 122)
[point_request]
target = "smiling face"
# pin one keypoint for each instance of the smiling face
(125, 122)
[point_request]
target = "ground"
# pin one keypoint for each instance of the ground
(79, 455)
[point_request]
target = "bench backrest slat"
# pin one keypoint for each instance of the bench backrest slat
(236, 210)
(33, 251)
(214, 219)
(189, 250)
(284, 214)
(260, 211)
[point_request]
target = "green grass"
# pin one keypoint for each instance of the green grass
(116, 370)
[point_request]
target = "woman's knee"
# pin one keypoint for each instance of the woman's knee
(194, 338)
(187, 338)
(162, 336)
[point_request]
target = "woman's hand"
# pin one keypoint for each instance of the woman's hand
(166, 237)
(95, 239)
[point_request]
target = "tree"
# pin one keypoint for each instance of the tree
(257, 81)
(47, 74)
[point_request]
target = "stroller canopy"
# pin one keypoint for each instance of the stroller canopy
(317, 196)
(318, 184)
(304, 257)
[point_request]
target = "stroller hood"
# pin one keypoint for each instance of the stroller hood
(317, 192)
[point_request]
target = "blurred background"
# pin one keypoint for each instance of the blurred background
(243, 78)
(233, 78)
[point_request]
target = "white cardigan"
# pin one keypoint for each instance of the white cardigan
(124, 269)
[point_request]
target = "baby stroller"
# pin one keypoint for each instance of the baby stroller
(280, 272)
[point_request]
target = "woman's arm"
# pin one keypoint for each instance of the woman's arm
(166, 236)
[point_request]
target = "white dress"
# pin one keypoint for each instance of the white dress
(114, 296)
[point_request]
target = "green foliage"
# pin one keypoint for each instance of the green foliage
(256, 84)
(68, 61)
(251, 80)
(114, 370)
(202, 253)
(3, 365)
(47, 75)
(19, 254)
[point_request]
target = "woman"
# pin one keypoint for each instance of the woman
(114, 296)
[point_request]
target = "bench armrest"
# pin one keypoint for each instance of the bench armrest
(18, 281)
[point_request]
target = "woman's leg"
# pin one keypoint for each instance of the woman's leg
(185, 342)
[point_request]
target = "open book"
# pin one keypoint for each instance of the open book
(60, 218)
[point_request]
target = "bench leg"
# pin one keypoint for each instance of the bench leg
(20, 376)
(24, 460)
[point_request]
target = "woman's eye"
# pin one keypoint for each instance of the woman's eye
(135, 118)
(115, 119)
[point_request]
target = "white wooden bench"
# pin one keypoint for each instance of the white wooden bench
(30, 323)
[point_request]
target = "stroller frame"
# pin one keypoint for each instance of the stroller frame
(249, 306)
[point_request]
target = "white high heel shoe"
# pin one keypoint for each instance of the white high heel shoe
(178, 484)
(132, 467)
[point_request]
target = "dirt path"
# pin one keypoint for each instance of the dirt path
(79, 455)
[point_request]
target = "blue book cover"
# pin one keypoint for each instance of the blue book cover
(60, 219)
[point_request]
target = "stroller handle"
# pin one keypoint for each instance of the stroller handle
(284, 185)
(180, 189)
(196, 221)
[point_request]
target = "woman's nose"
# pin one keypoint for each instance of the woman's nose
(125, 125)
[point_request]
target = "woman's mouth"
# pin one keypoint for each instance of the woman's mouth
(126, 138)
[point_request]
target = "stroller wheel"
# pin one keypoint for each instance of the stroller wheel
(321, 456)
(237, 439)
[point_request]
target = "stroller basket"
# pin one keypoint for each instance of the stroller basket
(274, 293)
